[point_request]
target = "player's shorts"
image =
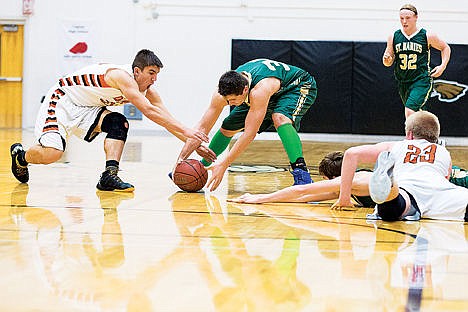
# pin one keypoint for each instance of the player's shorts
(59, 117)
(294, 102)
(393, 210)
(415, 94)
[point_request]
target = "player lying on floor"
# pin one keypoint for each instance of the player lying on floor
(327, 189)
(410, 180)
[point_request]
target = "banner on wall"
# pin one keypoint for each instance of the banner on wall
(356, 92)
(77, 45)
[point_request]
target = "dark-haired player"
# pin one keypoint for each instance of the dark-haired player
(265, 93)
(409, 49)
(76, 105)
(327, 189)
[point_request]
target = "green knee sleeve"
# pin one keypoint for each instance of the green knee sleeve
(291, 141)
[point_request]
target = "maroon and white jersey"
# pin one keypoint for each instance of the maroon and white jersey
(421, 169)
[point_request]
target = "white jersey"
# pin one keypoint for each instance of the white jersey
(73, 105)
(87, 87)
(421, 169)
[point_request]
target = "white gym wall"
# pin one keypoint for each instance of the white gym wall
(193, 37)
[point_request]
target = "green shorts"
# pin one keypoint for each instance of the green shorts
(415, 94)
(293, 102)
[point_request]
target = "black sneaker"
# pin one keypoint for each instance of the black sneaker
(20, 172)
(110, 181)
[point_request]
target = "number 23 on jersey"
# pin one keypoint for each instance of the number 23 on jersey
(415, 154)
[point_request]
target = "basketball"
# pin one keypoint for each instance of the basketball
(190, 175)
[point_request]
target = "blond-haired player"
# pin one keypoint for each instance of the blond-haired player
(408, 48)
(411, 176)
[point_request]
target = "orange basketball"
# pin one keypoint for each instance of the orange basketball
(190, 175)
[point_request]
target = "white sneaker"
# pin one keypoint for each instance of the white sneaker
(380, 182)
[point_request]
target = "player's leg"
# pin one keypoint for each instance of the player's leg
(232, 124)
(286, 116)
(417, 95)
(402, 207)
(50, 136)
(116, 127)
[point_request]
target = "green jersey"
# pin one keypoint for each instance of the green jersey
(412, 56)
(260, 69)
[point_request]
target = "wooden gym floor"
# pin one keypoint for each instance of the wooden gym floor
(66, 247)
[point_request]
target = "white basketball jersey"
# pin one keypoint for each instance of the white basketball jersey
(421, 168)
(87, 87)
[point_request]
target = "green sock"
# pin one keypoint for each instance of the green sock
(291, 141)
(218, 144)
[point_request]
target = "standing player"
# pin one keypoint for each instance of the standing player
(264, 93)
(411, 177)
(409, 47)
(77, 103)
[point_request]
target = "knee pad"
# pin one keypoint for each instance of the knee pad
(116, 126)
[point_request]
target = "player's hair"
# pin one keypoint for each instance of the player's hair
(423, 125)
(232, 83)
(146, 58)
(330, 165)
(410, 7)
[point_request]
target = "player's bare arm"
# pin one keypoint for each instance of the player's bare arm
(259, 97)
(352, 157)
(121, 80)
(205, 125)
(389, 55)
(445, 51)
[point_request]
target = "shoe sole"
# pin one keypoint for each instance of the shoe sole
(15, 163)
(380, 183)
(127, 190)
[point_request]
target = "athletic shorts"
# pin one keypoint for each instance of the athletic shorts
(58, 118)
(393, 210)
(294, 102)
(415, 94)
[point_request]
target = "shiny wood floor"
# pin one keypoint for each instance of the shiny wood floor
(66, 247)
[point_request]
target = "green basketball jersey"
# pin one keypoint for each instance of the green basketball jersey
(412, 56)
(263, 68)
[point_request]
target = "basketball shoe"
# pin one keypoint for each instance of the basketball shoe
(380, 182)
(301, 176)
(20, 172)
(110, 181)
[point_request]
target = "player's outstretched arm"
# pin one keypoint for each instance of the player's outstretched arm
(151, 105)
(318, 191)
(205, 125)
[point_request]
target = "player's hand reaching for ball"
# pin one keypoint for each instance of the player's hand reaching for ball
(217, 173)
(196, 134)
(206, 153)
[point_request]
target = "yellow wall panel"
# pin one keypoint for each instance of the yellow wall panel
(11, 66)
